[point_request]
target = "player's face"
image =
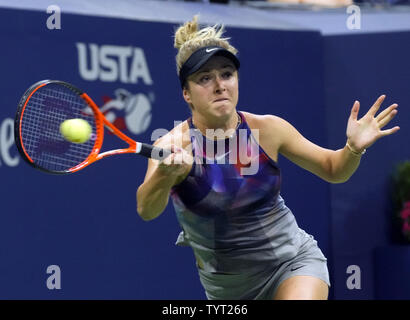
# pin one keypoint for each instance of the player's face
(213, 89)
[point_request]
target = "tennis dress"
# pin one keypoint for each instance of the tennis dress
(244, 238)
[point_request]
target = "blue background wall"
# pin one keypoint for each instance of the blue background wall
(363, 67)
(87, 224)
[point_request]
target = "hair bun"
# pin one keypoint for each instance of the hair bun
(189, 38)
(186, 32)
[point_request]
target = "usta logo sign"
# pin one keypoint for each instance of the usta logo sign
(111, 63)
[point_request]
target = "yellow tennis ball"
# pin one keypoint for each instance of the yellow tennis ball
(76, 130)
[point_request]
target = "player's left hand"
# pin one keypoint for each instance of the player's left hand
(362, 133)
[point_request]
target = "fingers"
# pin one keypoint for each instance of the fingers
(390, 131)
(175, 148)
(355, 110)
(376, 105)
(177, 157)
(386, 111)
(173, 158)
(387, 115)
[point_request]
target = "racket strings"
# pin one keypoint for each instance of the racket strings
(46, 109)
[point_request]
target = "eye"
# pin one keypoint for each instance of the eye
(227, 74)
(204, 79)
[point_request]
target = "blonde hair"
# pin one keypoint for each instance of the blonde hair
(188, 39)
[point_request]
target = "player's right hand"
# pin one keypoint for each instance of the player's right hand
(177, 164)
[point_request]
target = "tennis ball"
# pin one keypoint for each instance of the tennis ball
(75, 130)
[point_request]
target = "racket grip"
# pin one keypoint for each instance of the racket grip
(150, 151)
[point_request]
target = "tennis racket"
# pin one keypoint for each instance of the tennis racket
(42, 109)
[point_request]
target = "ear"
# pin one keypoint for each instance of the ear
(187, 95)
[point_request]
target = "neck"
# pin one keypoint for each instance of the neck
(217, 129)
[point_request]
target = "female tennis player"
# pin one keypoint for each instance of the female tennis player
(246, 242)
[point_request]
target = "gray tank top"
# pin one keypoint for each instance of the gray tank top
(230, 210)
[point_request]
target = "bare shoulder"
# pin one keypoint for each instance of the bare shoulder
(268, 124)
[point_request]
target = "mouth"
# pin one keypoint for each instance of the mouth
(221, 99)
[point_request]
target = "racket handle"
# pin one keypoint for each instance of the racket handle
(150, 151)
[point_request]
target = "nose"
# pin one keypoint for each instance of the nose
(219, 85)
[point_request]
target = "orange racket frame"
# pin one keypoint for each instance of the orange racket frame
(143, 149)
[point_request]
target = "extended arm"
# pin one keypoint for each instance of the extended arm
(336, 166)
